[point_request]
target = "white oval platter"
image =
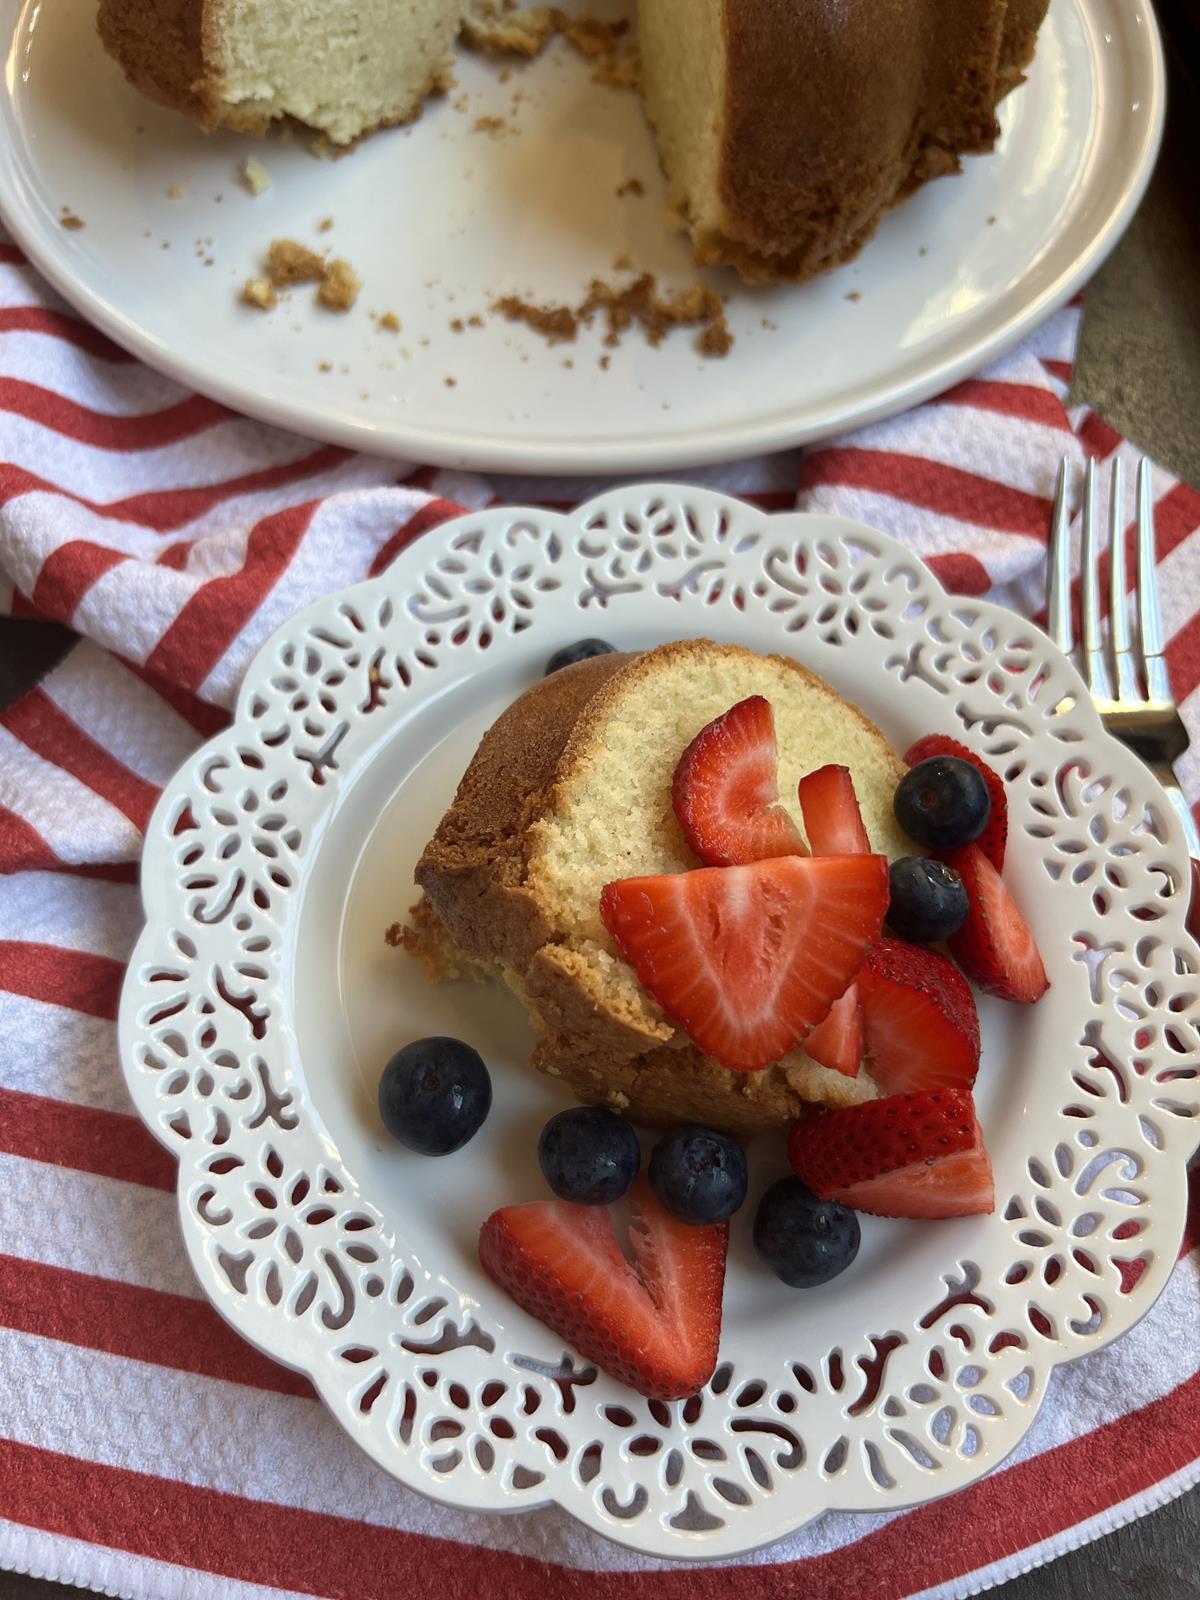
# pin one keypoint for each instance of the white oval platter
(439, 220)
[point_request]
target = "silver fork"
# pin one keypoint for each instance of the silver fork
(1127, 680)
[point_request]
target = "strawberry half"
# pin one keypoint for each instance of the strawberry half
(834, 826)
(920, 1022)
(994, 945)
(832, 819)
(911, 1155)
(655, 1324)
(747, 959)
(837, 1043)
(994, 838)
(726, 790)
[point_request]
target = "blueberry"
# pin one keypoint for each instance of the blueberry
(434, 1095)
(698, 1175)
(804, 1241)
(589, 1155)
(928, 900)
(943, 802)
(583, 650)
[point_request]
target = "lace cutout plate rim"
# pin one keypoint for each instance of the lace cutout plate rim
(1089, 1100)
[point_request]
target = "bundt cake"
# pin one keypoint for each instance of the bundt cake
(787, 128)
(570, 789)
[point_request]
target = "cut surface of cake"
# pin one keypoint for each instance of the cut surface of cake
(787, 128)
(571, 789)
(341, 66)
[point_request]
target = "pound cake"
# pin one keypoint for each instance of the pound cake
(570, 789)
(787, 128)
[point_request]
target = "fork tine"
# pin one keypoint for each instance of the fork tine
(1095, 667)
(1150, 631)
(1118, 605)
(1058, 566)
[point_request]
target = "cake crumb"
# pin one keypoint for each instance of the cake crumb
(340, 286)
(853, 295)
(605, 362)
(637, 304)
(555, 324)
(623, 263)
(922, 251)
(457, 325)
(253, 176)
(177, 191)
(475, 321)
(991, 222)
(451, 383)
(325, 224)
(390, 322)
(630, 186)
(71, 222)
(492, 126)
(289, 262)
(260, 292)
(569, 364)
(325, 366)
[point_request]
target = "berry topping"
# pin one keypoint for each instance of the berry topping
(654, 1323)
(834, 826)
(911, 1155)
(928, 900)
(434, 1095)
(943, 802)
(993, 839)
(922, 1030)
(804, 1241)
(589, 1155)
(698, 1175)
(582, 650)
(994, 945)
(747, 959)
(726, 790)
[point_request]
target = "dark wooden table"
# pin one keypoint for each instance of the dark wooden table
(1139, 364)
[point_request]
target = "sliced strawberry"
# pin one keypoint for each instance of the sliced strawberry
(994, 945)
(911, 1155)
(832, 819)
(834, 826)
(837, 1043)
(994, 838)
(747, 959)
(655, 1324)
(726, 790)
(922, 1030)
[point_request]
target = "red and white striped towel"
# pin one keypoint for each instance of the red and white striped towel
(143, 1449)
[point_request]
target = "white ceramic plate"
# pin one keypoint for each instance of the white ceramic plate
(440, 219)
(262, 1002)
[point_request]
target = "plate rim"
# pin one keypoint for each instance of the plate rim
(712, 446)
(154, 890)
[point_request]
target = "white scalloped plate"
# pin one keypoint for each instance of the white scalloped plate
(262, 1002)
(954, 277)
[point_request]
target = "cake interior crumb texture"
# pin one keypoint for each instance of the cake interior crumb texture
(368, 63)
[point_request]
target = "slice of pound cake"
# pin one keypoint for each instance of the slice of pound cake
(571, 790)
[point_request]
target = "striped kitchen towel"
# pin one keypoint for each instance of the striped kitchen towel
(144, 1450)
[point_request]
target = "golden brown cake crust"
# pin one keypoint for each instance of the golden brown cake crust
(484, 905)
(473, 869)
(165, 49)
(836, 112)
